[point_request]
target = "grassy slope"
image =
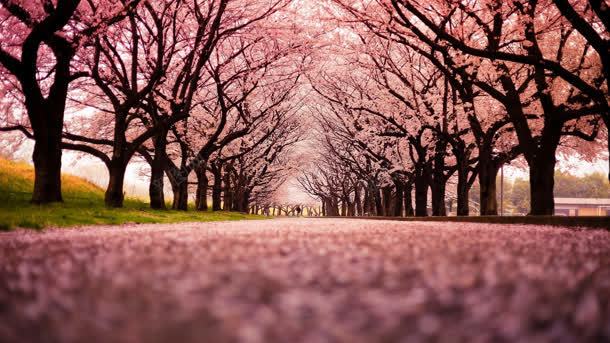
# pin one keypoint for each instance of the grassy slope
(83, 204)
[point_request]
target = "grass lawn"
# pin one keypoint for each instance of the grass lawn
(83, 204)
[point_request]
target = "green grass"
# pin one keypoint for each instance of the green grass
(83, 205)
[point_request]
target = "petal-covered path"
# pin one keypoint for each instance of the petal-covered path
(311, 280)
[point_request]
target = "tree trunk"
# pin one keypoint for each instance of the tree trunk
(438, 186)
(217, 188)
(331, 206)
(462, 189)
(181, 196)
(179, 179)
(46, 116)
(335, 206)
(227, 203)
(368, 201)
(343, 208)
(114, 195)
(47, 168)
(245, 201)
(157, 169)
(118, 163)
(378, 203)
(463, 208)
(387, 200)
(541, 185)
(398, 198)
(358, 201)
(408, 200)
(542, 170)
(421, 194)
(201, 200)
(488, 172)
(351, 207)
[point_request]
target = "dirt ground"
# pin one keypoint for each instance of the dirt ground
(305, 280)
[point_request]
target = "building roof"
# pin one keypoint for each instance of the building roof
(582, 201)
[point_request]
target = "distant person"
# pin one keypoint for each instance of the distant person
(298, 210)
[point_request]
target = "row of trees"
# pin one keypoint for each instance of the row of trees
(200, 90)
(425, 93)
(407, 96)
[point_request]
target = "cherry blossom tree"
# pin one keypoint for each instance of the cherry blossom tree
(522, 55)
(40, 40)
(254, 170)
(548, 49)
(126, 65)
(152, 72)
(249, 81)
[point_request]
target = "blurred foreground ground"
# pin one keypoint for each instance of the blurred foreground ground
(311, 280)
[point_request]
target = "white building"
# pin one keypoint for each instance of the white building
(582, 206)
